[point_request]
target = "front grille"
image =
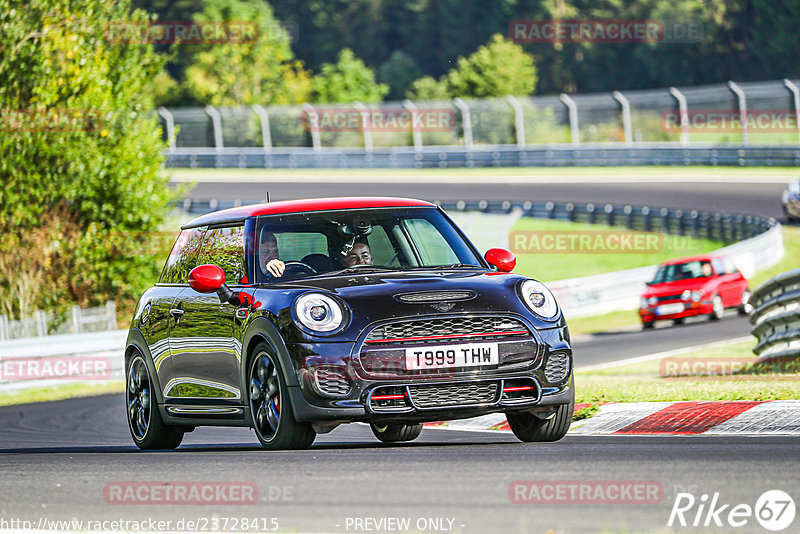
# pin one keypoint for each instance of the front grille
(557, 367)
(444, 328)
(435, 396)
(332, 382)
(664, 298)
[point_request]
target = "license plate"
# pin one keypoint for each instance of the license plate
(669, 309)
(461, 355)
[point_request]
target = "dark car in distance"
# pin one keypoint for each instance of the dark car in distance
(692, 286)
(426, 330)
(790, 200)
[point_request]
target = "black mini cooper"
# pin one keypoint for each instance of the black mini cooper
(295, 317)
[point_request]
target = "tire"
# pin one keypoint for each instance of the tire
(677, 321)
(394, 433)
(718, 310)
(530, 428)
(745, 308)
(144, 420)
(271, 408)
(648, 325)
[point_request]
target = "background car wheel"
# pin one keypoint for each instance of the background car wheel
(144, 421)
(679, 320)
(270, 405)
(717, 309)
(393, 433)
(528, 427)
(745, 308)
(649, 324)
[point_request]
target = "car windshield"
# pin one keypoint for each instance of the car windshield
(794, 188)
(682, 271)
(363, 240)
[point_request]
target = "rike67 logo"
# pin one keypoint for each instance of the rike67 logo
(774, 510)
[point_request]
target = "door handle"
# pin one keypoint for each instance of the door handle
(176, 312)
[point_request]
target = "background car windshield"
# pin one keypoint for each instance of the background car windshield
(405, 238)
(679, 271)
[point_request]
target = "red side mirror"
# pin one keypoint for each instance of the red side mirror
(206, 278)
(501, 258)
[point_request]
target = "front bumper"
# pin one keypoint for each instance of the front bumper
(352, 402)
(691, 309)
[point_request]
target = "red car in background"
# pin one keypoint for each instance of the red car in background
(697, 285)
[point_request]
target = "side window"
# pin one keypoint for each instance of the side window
(730, 267)
(432, 246)
(719, 268)
(183, 257)
(225, 247)
(380, 247)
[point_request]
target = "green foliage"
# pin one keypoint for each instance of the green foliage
(82, 153)
(347, 80)
(398, 72)
(499, 68)
(261, 71)
(428, 88)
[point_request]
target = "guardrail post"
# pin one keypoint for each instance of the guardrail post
(76, 319)
(679, 218)
(570, 209)
(590, 210)
(216, 123)
(609, 209)
(665, 220)
(695, 223)
(466, 120)
(683, 109)
(416, 133)
(41, 322)
(111, 312)
(626, 116)
(742, 109)
(646, 222)
(519, 120)
(169, 122)
(366, 124)
(628, 209)
(266, 134)
(796, 99)
(550, 210)
(572, 107)
(312, 123)
(4, 335)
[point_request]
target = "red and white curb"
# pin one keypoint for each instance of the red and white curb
(679, 418)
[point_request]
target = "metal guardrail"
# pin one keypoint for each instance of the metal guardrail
(776, 317)
(77, 321)
(484, 156)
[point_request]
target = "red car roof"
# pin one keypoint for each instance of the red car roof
(303, 206)
(700, 257)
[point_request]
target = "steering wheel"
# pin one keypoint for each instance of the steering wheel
(299, 266)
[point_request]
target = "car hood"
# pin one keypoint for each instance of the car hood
(676, 287)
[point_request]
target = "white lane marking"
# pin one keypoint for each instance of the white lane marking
(665, 354)
(772, 417)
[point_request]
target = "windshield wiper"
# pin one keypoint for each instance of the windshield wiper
(355, 270)
(445, 267)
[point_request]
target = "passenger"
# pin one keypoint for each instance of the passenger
(358, 255)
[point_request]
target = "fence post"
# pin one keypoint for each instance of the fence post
(416, 133)
(4, 328)
(519, 120)
(41, 322)
(742, 108)
(572, 106)
(313, 121)
(216, 122)
(266, 134)
(111, 311)
(466, 120)
(626, 116)
(76, 319)
(796, 99)
(366, 124)
(169, 122)
(683, 108)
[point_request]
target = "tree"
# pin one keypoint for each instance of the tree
(499, 68)
(398, 72)
(81, 154)
(428, 88)
(244, 72)
(347, 80)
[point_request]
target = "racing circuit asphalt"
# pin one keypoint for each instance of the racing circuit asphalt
(56, 459)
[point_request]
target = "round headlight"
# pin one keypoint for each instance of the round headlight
(686, 295)
(652, 301)
(539, 299)
(318, 313)
(643, 303)
(696, 296)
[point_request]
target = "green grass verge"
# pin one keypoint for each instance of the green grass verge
(56, 392)
(643, 382)
(789, 261)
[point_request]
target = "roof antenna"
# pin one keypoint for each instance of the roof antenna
(267, 196)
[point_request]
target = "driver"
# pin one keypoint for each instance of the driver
(268, 255)
(358, 255)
